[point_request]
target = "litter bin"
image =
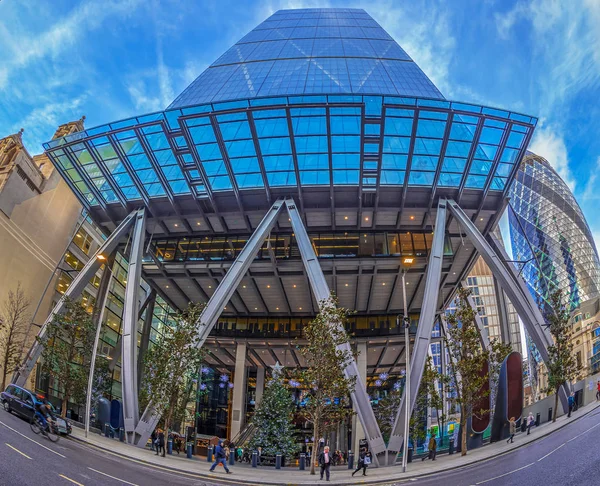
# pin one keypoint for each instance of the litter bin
(302, 461)
(550, 414)
(350, 460)
(538, 419)
(451, 447)
(410, 455)
(523, 425)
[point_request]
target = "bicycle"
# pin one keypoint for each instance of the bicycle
(51, 431)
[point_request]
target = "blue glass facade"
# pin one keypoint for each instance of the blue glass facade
(311, 51)
(548, 230)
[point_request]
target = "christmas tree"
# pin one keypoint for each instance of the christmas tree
(273, 419)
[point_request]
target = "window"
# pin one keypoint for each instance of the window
(83, 240)
(73, 261)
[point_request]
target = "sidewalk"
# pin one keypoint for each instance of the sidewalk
(244, 474)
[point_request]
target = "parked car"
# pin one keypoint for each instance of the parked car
(22, 402)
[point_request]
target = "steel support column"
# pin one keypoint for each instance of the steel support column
(502, 305)
(514, 287)
(148, 306)
(360, 399)
(129, 345)
(424, 328)
(215, 305)
(73, 293)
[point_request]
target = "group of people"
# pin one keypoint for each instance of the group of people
(158, 442)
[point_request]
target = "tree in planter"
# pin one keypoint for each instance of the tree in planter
(67, 348)
(273, 419)
(13, 319)
(467, 359)
(562, 365)
(171, 364)
(326, 387)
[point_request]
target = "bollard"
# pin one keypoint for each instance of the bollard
(537, 419)
(209, 454)
(189, 450)
(254, 459)
(302, 461)
(122, 434)
(170, 446)
(451, 447)
(106, 430)
(350, 460)
(278, 461)
(232, 458)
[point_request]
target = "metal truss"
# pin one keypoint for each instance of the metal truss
(492, 251)
(129, 346)
(424, 329)
(74, 291)
(318, 284)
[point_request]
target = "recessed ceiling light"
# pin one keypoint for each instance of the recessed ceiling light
(345, 217)
(166, 286)
(453, 273)
(383, 283)
(256, 308)
(176, 225)
(480, 219)
(210, 286)
(225, 308)
(407, 283)
(294, 285)
(268, 286)
(366, 218)
(243, 286)
(300, 308)
(412, 217)
(276, 308)
(346, 285)
(198, 223)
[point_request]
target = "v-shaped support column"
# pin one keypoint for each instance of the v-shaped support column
(74, 291)
(424, 329)
(216, 303)
(320, 289)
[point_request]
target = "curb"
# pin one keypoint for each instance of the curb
(412, 477)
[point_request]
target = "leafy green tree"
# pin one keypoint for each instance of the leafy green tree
(467, 360)
(273, 419)
(326, 388)
(13, 320)
(102, 382)
(171, 364)
(67, 349)
(386, 410)
(562, 365)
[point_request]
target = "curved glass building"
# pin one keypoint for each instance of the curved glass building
(322, 107)
(549, 231)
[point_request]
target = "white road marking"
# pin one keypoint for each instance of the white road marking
(34, 441)
(551, 452)
(112, 477)
(584, 432)
(17, 450)
(69, 479)
(505, 474)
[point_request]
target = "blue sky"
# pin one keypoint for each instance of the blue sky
(112, 59)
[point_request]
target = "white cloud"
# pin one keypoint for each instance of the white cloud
(550, 144)
(591, 191)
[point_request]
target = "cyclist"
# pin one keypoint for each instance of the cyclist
(43, 411)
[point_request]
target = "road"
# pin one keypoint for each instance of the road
(569, 456)
(29, 459)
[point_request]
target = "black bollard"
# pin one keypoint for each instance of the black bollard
(278, 461)
(122, 434)
(209, 454)
(170, 446)
(254, 459)
(189, 450)
(350, 460)
(106, 430)
(302, 461)
(232, 458)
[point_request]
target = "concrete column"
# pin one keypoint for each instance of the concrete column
(238, 408)
(357, 429)
(260, 384)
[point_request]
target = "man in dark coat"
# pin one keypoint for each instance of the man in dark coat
(220, 457)
(161, 443)
(325, 461)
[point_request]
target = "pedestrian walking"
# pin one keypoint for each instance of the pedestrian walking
(325, 461)
(571, 403)
(153, 440)
(160, 442)
(512, 428)
(530, 422)
(220, 458)
(598, 390)
(432, 448)
(361, 462)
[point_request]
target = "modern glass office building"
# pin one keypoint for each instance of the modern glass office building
(549, 232)
(319, 112)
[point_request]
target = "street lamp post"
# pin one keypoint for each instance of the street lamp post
(406, 323)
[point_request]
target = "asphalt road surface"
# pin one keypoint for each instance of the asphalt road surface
(29, 459)
(569, 456)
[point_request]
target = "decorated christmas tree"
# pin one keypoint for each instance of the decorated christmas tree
(273, 419)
